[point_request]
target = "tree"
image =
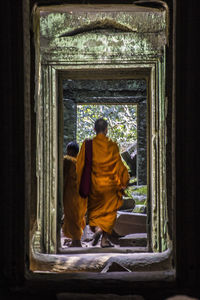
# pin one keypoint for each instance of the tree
(122, 120)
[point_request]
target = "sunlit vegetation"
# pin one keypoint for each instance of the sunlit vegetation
(122, 120)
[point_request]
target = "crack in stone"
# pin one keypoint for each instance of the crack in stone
(107, 24)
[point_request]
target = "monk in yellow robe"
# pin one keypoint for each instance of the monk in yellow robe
(74, 206)
(109, 178)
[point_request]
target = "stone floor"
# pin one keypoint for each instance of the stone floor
(130, 240)
(129, 255)
(129, 231)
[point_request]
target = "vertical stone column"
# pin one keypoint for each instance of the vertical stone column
(142, 143)
(70, 121)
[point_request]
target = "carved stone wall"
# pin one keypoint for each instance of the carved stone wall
(142, 143)
(109, 43)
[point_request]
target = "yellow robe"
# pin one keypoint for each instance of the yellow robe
(74, 206)
(109, 176)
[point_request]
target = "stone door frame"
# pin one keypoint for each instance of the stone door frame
(145, 58)
(48, 140)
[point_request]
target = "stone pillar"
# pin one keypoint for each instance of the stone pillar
(142, 143)
(70, 122)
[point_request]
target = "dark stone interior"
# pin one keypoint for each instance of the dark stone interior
(18, 131)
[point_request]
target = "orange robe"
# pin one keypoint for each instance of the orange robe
(109, 175)
(74, 205)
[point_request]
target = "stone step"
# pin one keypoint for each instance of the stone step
(133, 240)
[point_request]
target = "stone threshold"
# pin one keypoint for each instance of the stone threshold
(96, 262)
(147, 276)
(87, 250)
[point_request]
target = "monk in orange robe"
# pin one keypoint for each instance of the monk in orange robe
(109, 178)
(74, 205)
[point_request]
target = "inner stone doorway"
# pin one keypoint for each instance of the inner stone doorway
(111, 92)
(128, 98)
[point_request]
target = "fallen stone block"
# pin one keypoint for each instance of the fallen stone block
(130, 156)
(128, 223)
(129, 203)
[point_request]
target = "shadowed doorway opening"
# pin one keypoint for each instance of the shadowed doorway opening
(123, 103)
(130, 229)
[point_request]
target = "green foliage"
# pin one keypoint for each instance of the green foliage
(122, 120)
(128, 192)
(136, 190)
(125, 163)
(141, 190)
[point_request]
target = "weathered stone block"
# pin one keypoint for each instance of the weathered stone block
(133, 240)
(129, 203)
(130, 157)
(128, 223)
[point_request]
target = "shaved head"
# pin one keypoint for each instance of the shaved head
(100, 125)
(72, 149)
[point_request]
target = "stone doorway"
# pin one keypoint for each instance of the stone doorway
(110, 92)
(125, 42)
(129, 99)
